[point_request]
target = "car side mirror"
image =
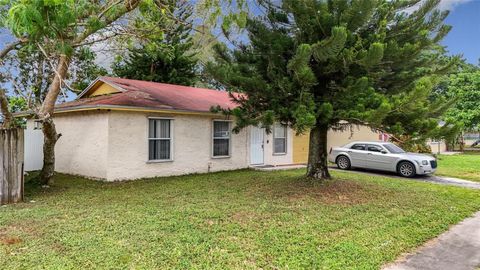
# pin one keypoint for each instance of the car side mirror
(384, 151)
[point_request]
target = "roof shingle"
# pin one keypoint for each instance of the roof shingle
(156, 96)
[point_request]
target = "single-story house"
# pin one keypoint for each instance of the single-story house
(121, 129)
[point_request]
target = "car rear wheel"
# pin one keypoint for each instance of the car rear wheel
(343, 163)
(406, 169)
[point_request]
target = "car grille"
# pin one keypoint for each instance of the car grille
(433, 164)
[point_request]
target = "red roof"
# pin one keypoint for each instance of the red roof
(135, 93)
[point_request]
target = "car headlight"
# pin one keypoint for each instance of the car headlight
(424, 162)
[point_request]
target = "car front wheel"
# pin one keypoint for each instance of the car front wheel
(406, 169)
(343, 163)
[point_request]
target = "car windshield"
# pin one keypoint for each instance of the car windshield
(392, 148)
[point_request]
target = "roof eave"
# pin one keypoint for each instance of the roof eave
(121, 108)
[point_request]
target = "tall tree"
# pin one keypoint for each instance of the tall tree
(316, 64)
(464, 87)
(167, 58)
(58, 29)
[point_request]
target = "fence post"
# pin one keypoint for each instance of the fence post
(11, 165)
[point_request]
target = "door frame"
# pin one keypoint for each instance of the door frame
(262, 148)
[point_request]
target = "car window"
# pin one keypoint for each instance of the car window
(358, 147)
(393, 148)
(374, 148)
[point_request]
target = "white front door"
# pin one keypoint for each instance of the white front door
(256, 145)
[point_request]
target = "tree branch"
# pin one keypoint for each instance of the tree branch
(11, 46)
(129, 6)
(7, 115)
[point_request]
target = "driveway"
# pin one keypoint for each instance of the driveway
(456, 249)
(441, 180)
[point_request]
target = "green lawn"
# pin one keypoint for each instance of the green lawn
(465, 166)
(229, 220)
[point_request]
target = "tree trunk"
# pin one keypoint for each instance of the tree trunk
(317, 154)
(50, 138)
(46, 113)
(7, 115)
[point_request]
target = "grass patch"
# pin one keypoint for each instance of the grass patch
(465, 166)
(229, 220)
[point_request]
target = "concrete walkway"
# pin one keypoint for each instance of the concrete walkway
(435, 179)
(456, 249)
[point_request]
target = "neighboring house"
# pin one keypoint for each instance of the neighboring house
(121, 129)
(470, 138)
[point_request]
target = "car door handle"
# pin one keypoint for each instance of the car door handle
(349, 151)
(369, 154)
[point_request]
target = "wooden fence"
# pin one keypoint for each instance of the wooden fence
(11, 165)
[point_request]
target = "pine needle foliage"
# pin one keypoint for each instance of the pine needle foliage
(315, 65)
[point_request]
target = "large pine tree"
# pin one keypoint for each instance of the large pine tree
(168, 58)
(315, 65)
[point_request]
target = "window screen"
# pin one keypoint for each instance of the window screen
(221, 138)
(279, 139)
(159, 139)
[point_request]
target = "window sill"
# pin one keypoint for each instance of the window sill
(159, 161)
(279, 154)
(220, 157)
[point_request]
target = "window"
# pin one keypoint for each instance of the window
(358, 147)
(37, 124)
(221, 138)
(279, 139)
(159, 139)
(374, 148)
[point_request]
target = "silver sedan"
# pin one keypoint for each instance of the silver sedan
(382, 156)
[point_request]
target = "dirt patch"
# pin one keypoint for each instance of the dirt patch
(244, 216)
(10, 240)
(251, 219)
(334, 191)
(10, 234)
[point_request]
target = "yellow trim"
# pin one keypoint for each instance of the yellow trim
(101, 88)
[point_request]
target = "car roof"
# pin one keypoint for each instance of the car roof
(368, 142)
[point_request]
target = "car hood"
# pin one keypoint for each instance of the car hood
(417, 156)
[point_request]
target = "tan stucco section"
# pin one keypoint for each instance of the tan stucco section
(192, 147)
(82, 147)
(437, 147)
(334, 139)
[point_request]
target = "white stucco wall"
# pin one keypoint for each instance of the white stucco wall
(82, 148)
(113, 145)
(192, 147)
(278, 159)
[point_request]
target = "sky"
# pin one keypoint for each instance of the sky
(464, 38)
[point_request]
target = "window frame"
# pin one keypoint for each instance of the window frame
(213, 139)
(380, 147)
(171, 139)
(37, 124)
(275, 137)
